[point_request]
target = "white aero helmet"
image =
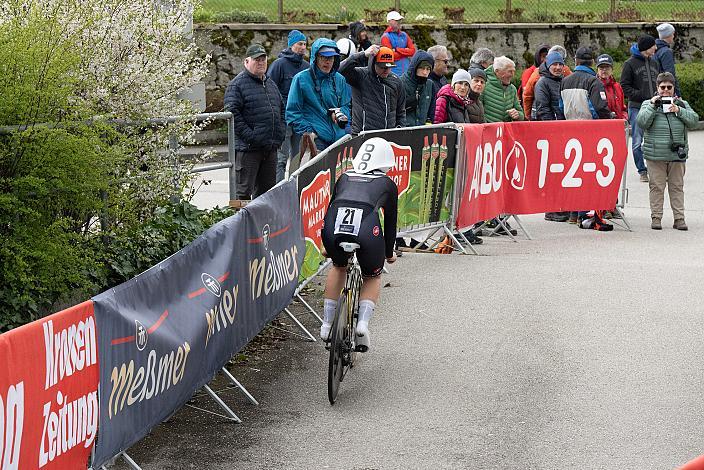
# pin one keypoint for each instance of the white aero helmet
(346, 46)
(374, 154)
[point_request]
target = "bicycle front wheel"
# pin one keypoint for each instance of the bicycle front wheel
(338, 337)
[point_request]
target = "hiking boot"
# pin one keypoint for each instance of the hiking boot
(644, 178)
(572, 219)
(472, 238)
(680, 225)
(656, 223)
(561, 216)
(550, 216)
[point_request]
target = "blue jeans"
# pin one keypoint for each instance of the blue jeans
(289, 149)
(637, 140)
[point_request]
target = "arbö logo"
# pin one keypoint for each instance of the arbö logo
(141, 336)
(516, 165)
(266, 232)
(211, 284)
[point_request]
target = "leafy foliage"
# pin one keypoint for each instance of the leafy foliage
(75, 185)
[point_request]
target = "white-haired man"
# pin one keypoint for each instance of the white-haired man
(500, 97)
(438, 79)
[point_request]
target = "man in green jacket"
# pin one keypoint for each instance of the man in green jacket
(500, 97)
(665, 120)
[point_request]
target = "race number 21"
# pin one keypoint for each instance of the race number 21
(574, 166)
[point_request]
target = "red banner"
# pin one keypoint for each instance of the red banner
(48, 391)
(533, 167)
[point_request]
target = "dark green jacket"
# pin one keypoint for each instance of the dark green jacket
(498, 99)
(656, 133)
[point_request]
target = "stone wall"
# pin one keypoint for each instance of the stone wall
(227, 42)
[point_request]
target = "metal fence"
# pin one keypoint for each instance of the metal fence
(450, 11)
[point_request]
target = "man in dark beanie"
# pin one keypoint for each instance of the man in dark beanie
(282, 71)
(638, 82)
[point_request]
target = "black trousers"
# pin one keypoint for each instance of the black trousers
(256, 172)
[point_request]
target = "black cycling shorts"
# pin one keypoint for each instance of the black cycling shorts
(371, 254)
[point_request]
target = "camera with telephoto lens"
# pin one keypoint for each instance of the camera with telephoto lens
(339, 117)
(680, 150)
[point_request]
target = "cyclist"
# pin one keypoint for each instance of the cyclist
(353, 216)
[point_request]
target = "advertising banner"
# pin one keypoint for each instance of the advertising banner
(424, 174)
(49, 391)
(165, 333)
(533, 167)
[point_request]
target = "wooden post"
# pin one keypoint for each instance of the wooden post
(509, 11)
(397, 5)
(612, 13)
(281, 11)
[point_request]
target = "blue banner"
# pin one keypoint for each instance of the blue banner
(164, 334)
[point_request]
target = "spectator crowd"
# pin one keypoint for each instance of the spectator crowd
(354, 85)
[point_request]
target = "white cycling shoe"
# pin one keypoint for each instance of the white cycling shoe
(325, 331)
(363, 341)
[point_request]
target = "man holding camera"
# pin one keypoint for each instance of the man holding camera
(664, 120)
(318, 105)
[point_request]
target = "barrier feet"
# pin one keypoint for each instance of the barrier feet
(300, 325)
(230, 414)
(310, 309)
(236, 383)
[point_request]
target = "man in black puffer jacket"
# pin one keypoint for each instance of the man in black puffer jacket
(260, 125)
(638, 82)
(378, 96)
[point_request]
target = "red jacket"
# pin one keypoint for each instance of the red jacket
(614, 98)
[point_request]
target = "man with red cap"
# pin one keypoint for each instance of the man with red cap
(378, 96)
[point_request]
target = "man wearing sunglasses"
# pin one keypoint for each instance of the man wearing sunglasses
(437, 77)
(638, 82)
(664, 120)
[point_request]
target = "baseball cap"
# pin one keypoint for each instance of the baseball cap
(584, 53)
(393, 15)
(604, 59)
(385, 57)
(327, 51)
(255, 50)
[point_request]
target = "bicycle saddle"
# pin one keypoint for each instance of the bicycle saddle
(349, 247)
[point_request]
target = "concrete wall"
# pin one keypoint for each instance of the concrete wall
(227, 42)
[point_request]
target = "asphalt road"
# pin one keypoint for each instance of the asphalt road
(576, 350)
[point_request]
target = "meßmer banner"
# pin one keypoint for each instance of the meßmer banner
(424, 174)
(165, 333)
(533, 167)
(49, 391)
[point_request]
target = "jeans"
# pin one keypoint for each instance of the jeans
(636, 141)
(289, 149)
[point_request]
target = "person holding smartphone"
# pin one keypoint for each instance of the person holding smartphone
(665, 119)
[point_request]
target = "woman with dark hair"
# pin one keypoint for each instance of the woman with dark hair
(665, 119)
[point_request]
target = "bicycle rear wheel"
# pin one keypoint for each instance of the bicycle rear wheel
(338, 338)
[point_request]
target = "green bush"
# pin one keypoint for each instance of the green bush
(239, 16)
(174, 225)
(691, 81)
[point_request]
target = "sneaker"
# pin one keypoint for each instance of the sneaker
(656, 223)
(562, 216)
(472, 238)
(680, 225)
(644, 178)
(325, 331)
(501, 230)
(573, 219)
